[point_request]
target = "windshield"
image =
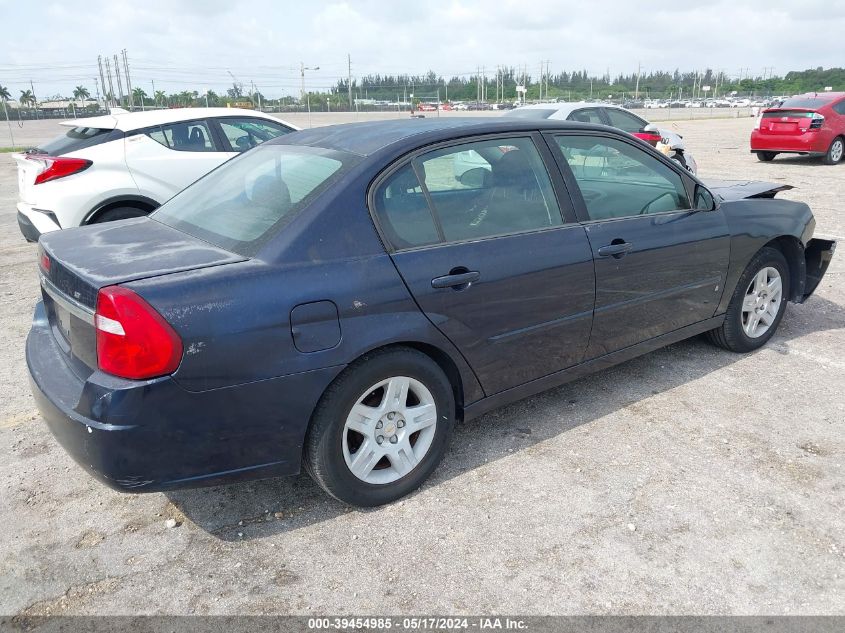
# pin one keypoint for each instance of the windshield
(530, 113)
(242, 203)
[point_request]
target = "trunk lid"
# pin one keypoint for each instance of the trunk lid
(786, 122)
(76, 263)
(27, 171)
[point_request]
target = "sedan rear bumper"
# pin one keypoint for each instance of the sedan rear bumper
(812, 144)
(141, 436)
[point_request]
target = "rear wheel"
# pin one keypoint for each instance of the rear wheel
(757, 304)
(834, 152)
(119, 213)
(381, 428)
(766, 156)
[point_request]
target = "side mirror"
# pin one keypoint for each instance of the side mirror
(651, 127)
(704, 200)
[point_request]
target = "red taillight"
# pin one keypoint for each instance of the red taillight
(54, 167)
(133, 340)
(651, 138)
(43, 260)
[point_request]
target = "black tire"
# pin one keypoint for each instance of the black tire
(119, 213)
(766, 156)
(835, 152)
(731, 335)
(323, 451)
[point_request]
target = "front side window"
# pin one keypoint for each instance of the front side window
(839, 108)
(625, 120)
(246, 133)
(248, 198)
(469, 191)
(618, 180)
(185, 136)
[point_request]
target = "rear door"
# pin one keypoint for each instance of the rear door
(164, 159)
(660, 265)
(490, 259)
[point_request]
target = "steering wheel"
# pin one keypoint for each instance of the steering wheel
(648, 204)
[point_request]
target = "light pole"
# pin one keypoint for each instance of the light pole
(302, 69)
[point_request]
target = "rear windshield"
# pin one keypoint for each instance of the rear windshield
(530, 113)
(77, 138)
(804, 102)
(794, 114)
(239, 205)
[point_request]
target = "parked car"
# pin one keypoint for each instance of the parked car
(335, 298)
(614, 116)
(125, 165)
(810, 125)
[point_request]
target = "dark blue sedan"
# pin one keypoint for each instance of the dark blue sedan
(341, 296)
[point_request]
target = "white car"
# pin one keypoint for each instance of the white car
(125, 165)
(671, 143)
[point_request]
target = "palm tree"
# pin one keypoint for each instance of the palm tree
(139, 95)
(161, 97)
(27, 98)
(5, 95)
(80, 93)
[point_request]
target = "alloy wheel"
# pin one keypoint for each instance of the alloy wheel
(389, 430)
(762, 301)
(836, 150)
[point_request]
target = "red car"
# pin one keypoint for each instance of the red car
(812, 125)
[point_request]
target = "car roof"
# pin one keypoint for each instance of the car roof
(127, 121)
(564, 109)
(371, 137)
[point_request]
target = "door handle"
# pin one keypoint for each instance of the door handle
(617, 248)
(458, 279)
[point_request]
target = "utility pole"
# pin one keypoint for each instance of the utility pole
(111, 86)
(117, 76)
(349, 78)
(129, 81)
(637, 89)
(102, 81)
(155, 101)
(302, 69)
(97, 88)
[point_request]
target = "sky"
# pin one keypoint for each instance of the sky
(194, 44)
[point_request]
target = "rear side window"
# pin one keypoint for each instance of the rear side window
(469, 191)
(185, 136)
(586, 115)
(839, 108)
(77, 138)
(625, 120)
(246, 133)
(243, 202)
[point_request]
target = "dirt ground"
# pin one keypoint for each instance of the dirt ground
(688, 481)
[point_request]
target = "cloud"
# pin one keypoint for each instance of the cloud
(193, 44)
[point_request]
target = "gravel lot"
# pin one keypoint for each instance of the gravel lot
(690, 480)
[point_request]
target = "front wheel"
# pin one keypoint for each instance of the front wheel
(757, 305)
(381, 428)
(834, 152)
(766, 156)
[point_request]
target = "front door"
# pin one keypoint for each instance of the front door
(489, 258)
(660, 265)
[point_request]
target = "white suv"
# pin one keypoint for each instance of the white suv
(125, 164)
